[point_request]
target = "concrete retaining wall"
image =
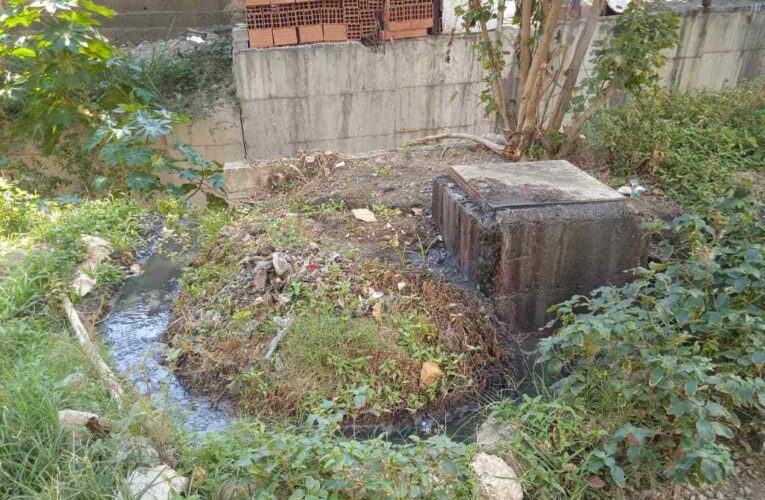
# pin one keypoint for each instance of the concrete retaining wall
(345, 97)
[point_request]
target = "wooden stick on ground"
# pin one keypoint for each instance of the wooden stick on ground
(106, 373)
(497, 148)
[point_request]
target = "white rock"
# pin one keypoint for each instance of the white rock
(75, 418)
(493, 432)
(625, 190)
(98, 250)
(496, 479)
(281, 265)
(155, 483)
(364, 215)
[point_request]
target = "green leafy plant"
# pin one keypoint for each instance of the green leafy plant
(678, 354)
(626, 61)
(689, 144)
(270, 462)
(66, 87)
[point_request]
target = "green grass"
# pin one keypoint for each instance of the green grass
(38, 459)
(689, 144)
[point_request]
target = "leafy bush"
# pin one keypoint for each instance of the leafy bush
(17, 209)
(64, 83)
(277, 464)
(678, 355)
(687, 143)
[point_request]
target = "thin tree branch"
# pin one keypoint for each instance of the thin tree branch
(497, 148)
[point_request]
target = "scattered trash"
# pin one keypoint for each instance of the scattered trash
(364, 215)
(195, 39)
(633, 189)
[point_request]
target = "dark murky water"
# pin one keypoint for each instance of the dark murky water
(133, 330)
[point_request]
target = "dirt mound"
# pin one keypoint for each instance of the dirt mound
(347, 336)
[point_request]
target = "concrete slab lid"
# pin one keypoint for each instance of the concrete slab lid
(528, 184)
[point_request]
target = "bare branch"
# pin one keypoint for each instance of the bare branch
(497, 148)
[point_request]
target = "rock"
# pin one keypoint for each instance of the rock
(281, 265)
(260, 278)
(235, 489)
(137, 448)
(135, 269)
(429, 374)
(98, 250)
(493, 432)
(496, 479)
(364, 215)
(155, 483)
(73, 382)
(417, 211)
(75, 418)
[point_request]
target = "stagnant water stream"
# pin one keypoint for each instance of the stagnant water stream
(139, 315)
(141, 312)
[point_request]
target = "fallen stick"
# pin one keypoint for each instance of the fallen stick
(497, 148)
(283, 325)
(106, 373)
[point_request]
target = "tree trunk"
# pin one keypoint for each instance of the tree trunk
(572, 72)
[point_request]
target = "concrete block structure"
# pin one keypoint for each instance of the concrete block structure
(532, 234)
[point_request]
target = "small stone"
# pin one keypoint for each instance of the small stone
(281, 265)
(73, 382)
(260, 279)
(417, 211)
(493, 432)
(238, 489)
(135, 269)
(364, 215)
(137, 448)
(496, 479)
(430, 373)
(156, 483)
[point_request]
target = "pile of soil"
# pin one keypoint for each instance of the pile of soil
(358, 325)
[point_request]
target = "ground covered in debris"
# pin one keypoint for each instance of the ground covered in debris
(304, 305)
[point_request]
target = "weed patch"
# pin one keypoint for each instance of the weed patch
(689, 144)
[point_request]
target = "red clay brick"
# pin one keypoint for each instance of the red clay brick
(335, 32)
(285, 36)
(310, 34)
(261, 38)
(395, 35)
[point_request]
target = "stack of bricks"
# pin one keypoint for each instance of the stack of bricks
(291, 22)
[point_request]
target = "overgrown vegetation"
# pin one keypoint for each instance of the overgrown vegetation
(40, 246)
(191, 82)
(38, 253)
(257, 461)
(68, 93)
(689, 144)
(665, 373)
(626, 61)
